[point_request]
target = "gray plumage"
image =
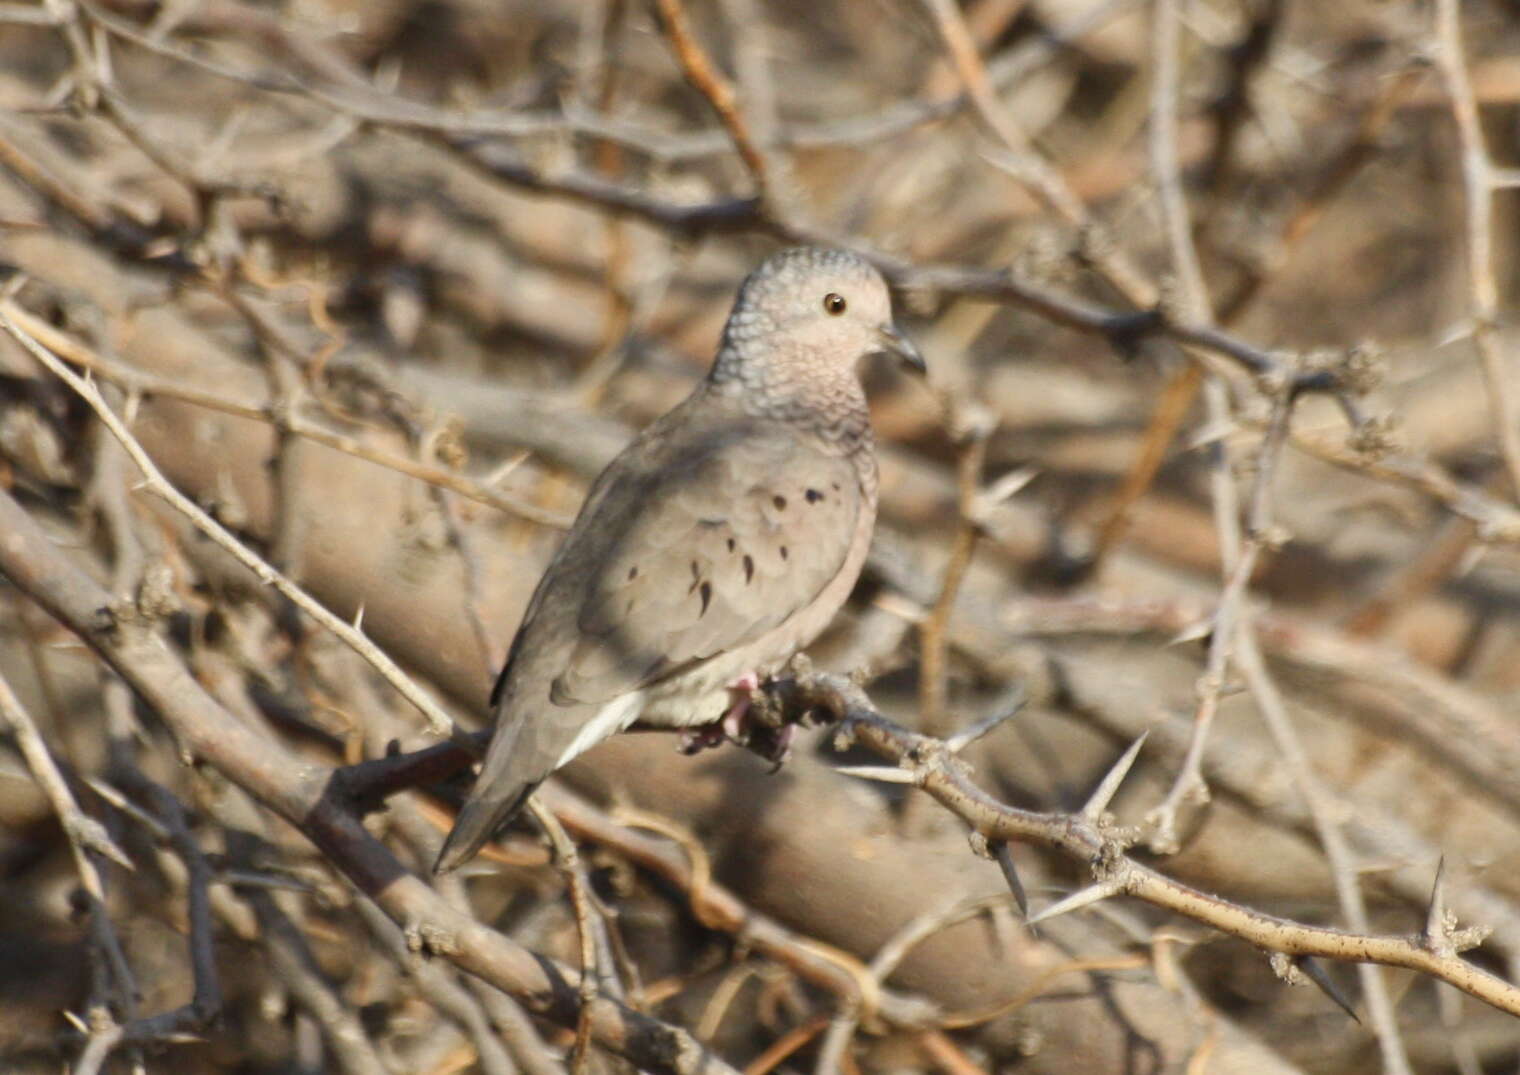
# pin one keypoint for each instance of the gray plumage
(723, 539)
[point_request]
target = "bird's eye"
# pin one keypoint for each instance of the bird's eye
(834, 303)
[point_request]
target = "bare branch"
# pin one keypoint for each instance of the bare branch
(299, 791)
(1479, 184)
(437, 719)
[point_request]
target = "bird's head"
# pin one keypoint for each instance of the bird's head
(829, 308)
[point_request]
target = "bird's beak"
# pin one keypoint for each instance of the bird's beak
(893, 342)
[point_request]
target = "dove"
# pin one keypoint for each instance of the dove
(717, 544)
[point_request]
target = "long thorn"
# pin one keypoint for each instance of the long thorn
(1076, 901)
(1437, 929)
(93, 834)
(964, 738)
(1316, 973)
(1004, 855)
(886, 774)
(1115, 776)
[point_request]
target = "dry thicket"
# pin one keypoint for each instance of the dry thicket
(319, 317)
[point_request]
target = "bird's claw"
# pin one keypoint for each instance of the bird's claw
(695, 740)
(773, 744)
(736, 726)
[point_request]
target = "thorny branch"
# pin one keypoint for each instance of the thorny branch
(1091, 839)
(995, 163)
(298, 792)
(1233, 639)
(1480, 180)
(350, 634)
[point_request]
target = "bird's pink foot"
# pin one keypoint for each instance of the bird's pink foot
(732, 726)
(738, 710)
(735, 726)
(744, 684)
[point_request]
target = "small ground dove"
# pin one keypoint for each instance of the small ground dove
(720, 541)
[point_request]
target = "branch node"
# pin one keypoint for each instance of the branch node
(106, 621)
(844, 736)
(1361, 368)
(1096, 243)
(1374, 438)
(1272, 538)
(156, 598)
(1275, 380)
(1441, 936)
(980, 846)
(426, 938)
(1125, 331)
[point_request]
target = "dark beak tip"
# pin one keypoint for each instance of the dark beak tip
(897, 343)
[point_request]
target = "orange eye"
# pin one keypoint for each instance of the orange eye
(834, 303)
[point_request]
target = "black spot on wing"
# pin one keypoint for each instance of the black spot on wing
(814, 496)
(779, 501)
(706, 590)
(749, 568)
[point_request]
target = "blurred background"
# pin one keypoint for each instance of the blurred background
(382, 286)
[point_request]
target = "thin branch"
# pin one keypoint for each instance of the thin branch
(705, 78)
(438, 721)
(205, 1004)
(1495, 520)
(973, 426)
(1194, 301)
(314, 75)
(717, 907)
(1227, 623)
(1234, 635)
(511, 166)
(84, 833)
(1166, 420)
(86, 836)
(1027, 164)
(296, 968)
(888, 957)
(587, 922)
(441, 987)
(1479, 184)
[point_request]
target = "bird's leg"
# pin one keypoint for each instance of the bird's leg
(730, 726)
(733, 720)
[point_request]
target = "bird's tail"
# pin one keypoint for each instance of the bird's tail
(486, 811)
(522, 754)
